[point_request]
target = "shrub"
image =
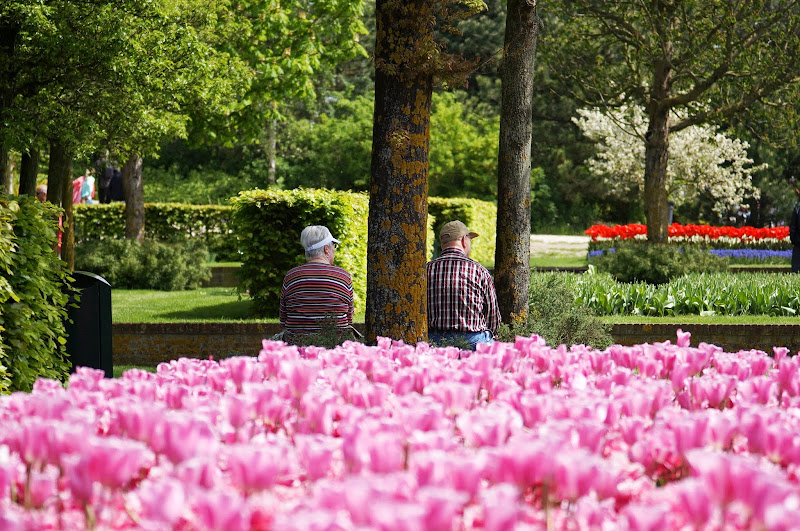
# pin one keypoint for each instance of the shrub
(34, 292)
(554, 314)
(633, 261)
(128, 264)
(479, 216)
(268, 224)
(166, 222)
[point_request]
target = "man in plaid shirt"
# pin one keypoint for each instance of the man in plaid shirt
(462, 302)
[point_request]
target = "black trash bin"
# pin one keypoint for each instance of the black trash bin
(89, 332)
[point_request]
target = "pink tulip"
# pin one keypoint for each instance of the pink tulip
(220, 511)
(299, 374)
(500, 510)
(253, 469)
(163, 501)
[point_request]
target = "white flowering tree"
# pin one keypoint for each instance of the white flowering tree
(701, 159)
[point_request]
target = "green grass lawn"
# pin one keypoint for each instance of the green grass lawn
(204, 304)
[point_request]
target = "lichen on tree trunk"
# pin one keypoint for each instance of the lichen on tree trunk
(398, 205)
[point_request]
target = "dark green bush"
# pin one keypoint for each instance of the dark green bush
(633, 261)
(34, 292)
(554, 315)
(128, 264)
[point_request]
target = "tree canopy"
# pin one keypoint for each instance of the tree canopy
(710, 60)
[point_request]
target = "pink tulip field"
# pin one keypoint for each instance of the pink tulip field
(399, 437)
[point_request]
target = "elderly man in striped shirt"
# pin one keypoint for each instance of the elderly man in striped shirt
(317, 294)
(462, 302)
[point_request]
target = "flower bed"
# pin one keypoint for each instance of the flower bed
(776, 238)
(397, 437)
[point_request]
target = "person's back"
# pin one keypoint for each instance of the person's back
(462, 302)
(317, 294)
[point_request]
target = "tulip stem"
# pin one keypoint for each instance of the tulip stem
(91, 521)
(27, 494)
(548, 517)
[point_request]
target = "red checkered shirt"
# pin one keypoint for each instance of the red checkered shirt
(461, 294)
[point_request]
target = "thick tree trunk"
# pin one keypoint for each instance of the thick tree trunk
(5, 171)
(59, 192)
(513, 250)
(398, 199)
(29, 171)
(133, 189)
(656, 156)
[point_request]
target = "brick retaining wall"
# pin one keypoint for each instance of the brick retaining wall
(150, 344)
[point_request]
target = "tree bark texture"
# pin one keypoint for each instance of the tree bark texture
(398, 195)
(59, 192)
(5, 171)
(133, 189)
(513, 249)
(657, 157)
(29, 171)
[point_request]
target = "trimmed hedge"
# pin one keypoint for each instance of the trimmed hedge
(34, 286)
(479, 216)
(166, 222)
(268, 225)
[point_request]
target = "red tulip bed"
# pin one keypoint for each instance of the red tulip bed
(776, 238)
(395, 437)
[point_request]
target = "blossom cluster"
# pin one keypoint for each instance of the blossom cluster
(516, 435)
(730, 236)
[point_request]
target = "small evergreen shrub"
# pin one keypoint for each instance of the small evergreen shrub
(633, 261)
(555, 315)
(34, 292)
(128, 264)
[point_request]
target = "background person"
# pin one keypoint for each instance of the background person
(317, 293)
(87, 190)
(462, 301)
(41, 192)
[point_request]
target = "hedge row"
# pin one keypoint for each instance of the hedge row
(163, 222)
(33, 295)
(268, 224)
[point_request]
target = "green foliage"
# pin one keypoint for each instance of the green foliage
(34, 287)
(129, 264)
(463, 151)
(329, 336)
(558, 316)
(693, 294)
(198, 186)
(331, 152)
(268, 223)
(635, 261)
(479, 216)
(167, 222)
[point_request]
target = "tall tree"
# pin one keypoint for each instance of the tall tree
(513, 250)
(711, 60)
(407, 58)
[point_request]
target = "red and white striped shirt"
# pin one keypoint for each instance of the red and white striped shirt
(313, 293)
(461, 294)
